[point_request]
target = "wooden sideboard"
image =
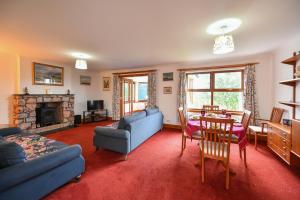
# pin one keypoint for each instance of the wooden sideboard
(296, 138)
(285, 141)
(280, 140)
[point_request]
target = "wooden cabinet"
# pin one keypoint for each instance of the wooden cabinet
(296, 138)
(280, 140)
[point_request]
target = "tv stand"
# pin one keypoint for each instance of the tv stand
(95, 115)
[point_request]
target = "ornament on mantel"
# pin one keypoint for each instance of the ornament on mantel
(26, 91)
(68, 92)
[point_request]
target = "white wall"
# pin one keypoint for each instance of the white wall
(285, 72)
(26, 77)
(71, 82)
(168, 102)
(9, 84)
(84, 92)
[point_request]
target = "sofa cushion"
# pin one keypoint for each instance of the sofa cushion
(10, 154)
(150, 111)
(125, 121)
(111, 132)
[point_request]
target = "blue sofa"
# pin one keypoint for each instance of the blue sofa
(35, 178)
(130, 133)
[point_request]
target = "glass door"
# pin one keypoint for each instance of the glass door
(127, 96)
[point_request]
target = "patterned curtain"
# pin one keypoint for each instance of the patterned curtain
(152, 89)
(250, 98)
(181, 96)
(116, 98)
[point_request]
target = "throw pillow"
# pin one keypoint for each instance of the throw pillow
(10, 154)
(151, 111)
(125, 121)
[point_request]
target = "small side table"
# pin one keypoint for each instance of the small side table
(95, 115)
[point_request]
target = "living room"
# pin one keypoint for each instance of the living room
(134, 100)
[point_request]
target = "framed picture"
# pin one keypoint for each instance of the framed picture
(85, 80)
(44, 74)
(106, 83)
(167, 90)
(168, 76)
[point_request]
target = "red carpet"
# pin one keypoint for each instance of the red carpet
(156, 171)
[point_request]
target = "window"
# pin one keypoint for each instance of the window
(142, 91)
(224, 89)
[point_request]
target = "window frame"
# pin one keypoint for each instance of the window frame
(212, 88)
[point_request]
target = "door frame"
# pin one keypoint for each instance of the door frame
(122, 79)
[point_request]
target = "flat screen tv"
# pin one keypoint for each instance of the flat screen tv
(95, 105)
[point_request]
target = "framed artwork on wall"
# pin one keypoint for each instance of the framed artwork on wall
(85, 80)
(167, 90)
(106, 83)
(168, 76)
(44, 74)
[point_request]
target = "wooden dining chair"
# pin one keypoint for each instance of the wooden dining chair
(185, 135)
(234, 139)
(210, 108)
(262, 130)
(213, 142)
(245, 123)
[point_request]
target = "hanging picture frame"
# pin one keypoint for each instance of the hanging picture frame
(168, 76)
(167, 90)
(85, 80)
(44, 74)
(106, 84)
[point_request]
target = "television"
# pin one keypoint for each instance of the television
(95, 105)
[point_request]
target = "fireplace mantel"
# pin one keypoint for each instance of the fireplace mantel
(43, 95)
(24, 112)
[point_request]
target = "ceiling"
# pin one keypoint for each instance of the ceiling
(135, 33)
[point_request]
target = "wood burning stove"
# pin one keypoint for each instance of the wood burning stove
(48, 114)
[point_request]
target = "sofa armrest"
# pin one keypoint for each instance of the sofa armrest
(10, 131)
(16, 174)
(111, 132)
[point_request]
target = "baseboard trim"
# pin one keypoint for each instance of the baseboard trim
(173, 126)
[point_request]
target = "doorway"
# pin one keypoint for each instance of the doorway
(134, 94)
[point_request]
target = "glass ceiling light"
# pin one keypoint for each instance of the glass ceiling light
(223, 44)
(80, 64)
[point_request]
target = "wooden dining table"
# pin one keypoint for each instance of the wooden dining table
(193, 125)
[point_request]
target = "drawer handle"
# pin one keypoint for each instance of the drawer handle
(283, 133)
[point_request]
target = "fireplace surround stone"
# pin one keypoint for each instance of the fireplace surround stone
(24, 110)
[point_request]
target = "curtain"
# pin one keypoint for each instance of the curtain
(152, 89)
(116, 98)
(250, 98)
(181, 96)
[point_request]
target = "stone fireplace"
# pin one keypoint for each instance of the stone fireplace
(40, 112)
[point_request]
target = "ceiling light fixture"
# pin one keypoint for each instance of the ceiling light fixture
(80, 64)
(224, 42)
